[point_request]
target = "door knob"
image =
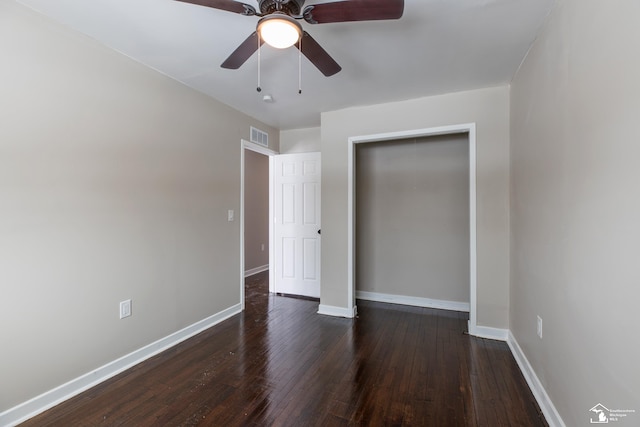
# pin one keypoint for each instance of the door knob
(319, 232)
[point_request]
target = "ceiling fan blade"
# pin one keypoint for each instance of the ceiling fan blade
(242, 52)
(228, 5)
(353, 10)
(317, 55)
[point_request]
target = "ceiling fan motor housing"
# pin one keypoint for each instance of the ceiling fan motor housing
(290, 7)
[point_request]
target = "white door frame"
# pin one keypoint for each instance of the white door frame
(246, 145)
(468, 128)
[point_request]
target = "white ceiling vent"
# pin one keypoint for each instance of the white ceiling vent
(259, 137)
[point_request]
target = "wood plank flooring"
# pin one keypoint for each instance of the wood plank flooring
(279, 363)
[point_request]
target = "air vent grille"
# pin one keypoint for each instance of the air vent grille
(259, 137)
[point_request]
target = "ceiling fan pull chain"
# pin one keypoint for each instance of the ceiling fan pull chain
(300, 66)
(259, 89)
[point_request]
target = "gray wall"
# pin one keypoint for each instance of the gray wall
(115, 183)
(306, 140)
(256, 210)
(575, 205)
(412, 217)
(489, 109)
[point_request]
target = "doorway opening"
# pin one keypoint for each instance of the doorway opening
(465, 130)
(256, 213)
(412, 222)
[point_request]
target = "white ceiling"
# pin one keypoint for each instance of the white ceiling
(438, 46)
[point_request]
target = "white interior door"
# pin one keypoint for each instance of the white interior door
(297, 224)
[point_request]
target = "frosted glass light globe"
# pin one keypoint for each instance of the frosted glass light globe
(279, 30)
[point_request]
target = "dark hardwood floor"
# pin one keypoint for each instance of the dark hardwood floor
(280, 363)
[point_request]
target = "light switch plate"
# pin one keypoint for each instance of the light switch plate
(539, 327)
(125, 308)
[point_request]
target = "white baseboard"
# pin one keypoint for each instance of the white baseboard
(488, 332)
(256, 270)
(544, 401)
(330, 310)
(413, 301)
(41, 403)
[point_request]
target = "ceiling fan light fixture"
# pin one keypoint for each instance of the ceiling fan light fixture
(279, 30)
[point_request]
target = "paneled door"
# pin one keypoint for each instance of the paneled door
(297, 224)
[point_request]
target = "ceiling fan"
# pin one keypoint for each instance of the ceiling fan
(279, 27)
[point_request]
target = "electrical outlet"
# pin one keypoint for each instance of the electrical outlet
(125, 308)
(230, 215)
(262, 247)
(540, 327)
